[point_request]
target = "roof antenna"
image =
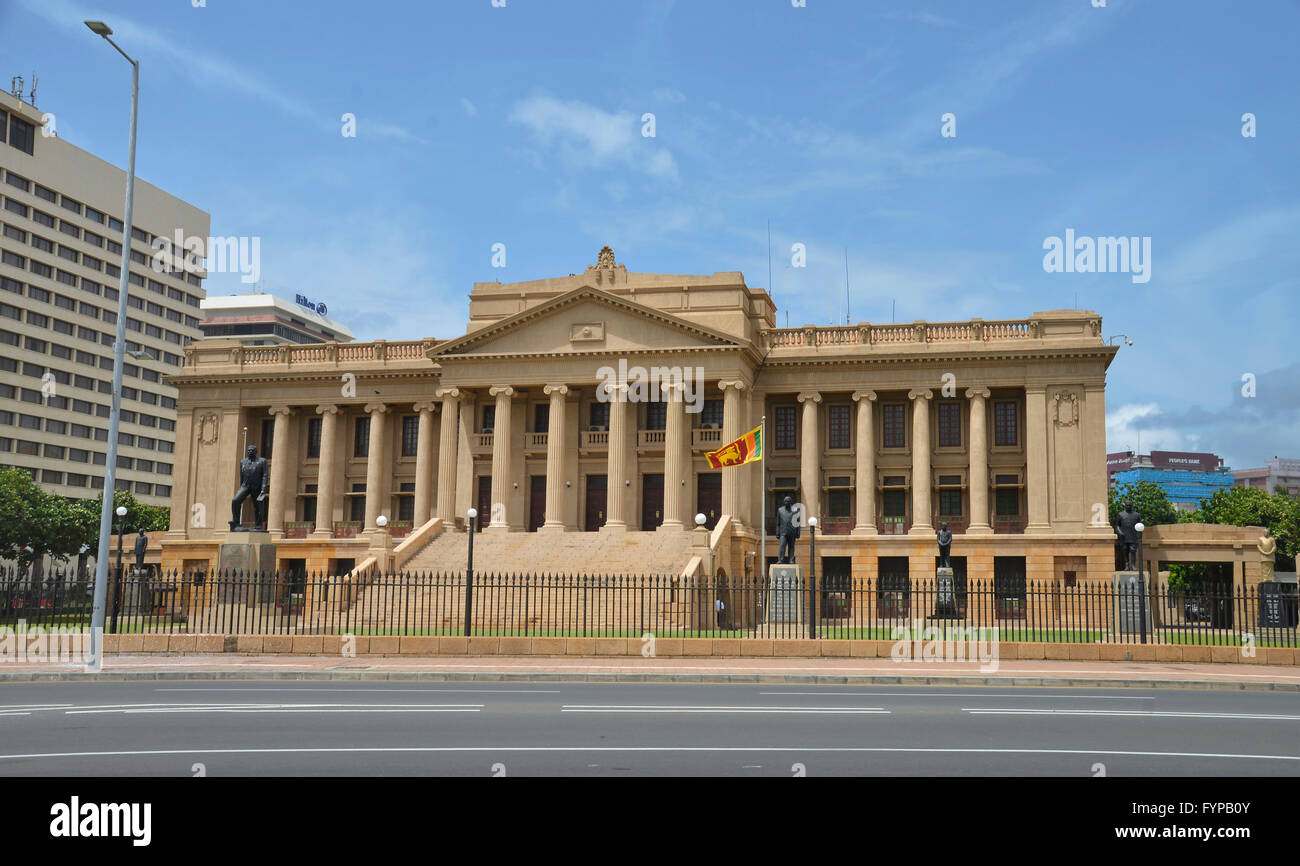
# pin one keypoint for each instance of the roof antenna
(893, 303)
(33, 90)
(847, 309)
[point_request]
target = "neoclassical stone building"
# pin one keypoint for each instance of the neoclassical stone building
(882, 431)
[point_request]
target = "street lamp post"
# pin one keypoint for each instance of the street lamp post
(1142, 583)
(812, 578)
(469, 571)
(101, 29)
(117, 581)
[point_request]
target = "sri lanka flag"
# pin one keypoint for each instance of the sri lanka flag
(746, 449)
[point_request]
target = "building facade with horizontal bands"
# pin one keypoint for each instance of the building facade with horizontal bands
(60, 259)
(545, 416)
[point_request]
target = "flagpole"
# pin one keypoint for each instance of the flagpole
(762, 518)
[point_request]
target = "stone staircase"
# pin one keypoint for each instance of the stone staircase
(594, 553)
(532, 582)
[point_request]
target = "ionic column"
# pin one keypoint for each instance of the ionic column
(501, 455)
(979, 462)
(279, 493)
(732, 392)
(555, 459)
(424, 464)
(921, 461)
(616, 469)
(327, 471)
(865, 480)
(450, 398)
(810, 455)
(1036, 458)
(675, 457)
(376, 463)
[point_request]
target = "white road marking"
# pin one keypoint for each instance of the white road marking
(290, 708)
(376, 691)
(686, 749)
(623, 708)
(823, 694)
(15, 714)
(1169, 714)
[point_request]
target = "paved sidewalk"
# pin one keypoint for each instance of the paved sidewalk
(738, 670)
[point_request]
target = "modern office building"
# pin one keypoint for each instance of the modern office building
(1187, 477)
(534, 417)
(1278, 472)
(60, 256)
(261, 319)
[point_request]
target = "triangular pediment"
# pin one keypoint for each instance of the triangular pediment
(585, 320)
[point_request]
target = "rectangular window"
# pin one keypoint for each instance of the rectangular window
(711, 416)
(410, 435)
(785, 432)
(950, 425)
(895, 425)
(894, 503)
(313, 437)
(656, 416)
(950, 503)
(600, 415)
(1008, 504)
(22, 135)
(44, 192)
(541, 418)
(489, 419)
(1004, 423)
(21, 182)
(838, 427)
(361, 438)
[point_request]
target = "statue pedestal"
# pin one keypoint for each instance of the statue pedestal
(786, 595)
(1126, 612)
(246, 569)
(945, 598)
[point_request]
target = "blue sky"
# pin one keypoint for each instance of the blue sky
(522, 125)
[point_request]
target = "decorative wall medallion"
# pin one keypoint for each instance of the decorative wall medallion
(586, 332)
(1067, 408)
(209, 427)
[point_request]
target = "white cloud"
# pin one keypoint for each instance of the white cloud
(1126, 432)
(585, 134)
(470, 108)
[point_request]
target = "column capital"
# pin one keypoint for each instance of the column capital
(327, 409)
(499, 390)
(445, 393)
(675, 392)
(613, 392)
(737, 384)
(859, 396)
(805, 396)
(972, 393)
(920, 394)
(552, 390)
(280, 410)
(376, 408)
(426, 406)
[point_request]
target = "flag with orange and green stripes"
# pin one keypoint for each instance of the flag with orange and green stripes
(746, 449)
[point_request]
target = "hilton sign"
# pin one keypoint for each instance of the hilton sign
(318, 308)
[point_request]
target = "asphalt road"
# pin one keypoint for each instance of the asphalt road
(227, 728)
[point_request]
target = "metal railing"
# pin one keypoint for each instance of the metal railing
(887, 607)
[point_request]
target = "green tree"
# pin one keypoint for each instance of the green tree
(150, 518)
(1148, 498)
(1251, 506)
(34, 522)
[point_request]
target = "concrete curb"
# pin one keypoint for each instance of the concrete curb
(555, 677)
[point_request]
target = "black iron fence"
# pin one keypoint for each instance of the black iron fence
(892, 607)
